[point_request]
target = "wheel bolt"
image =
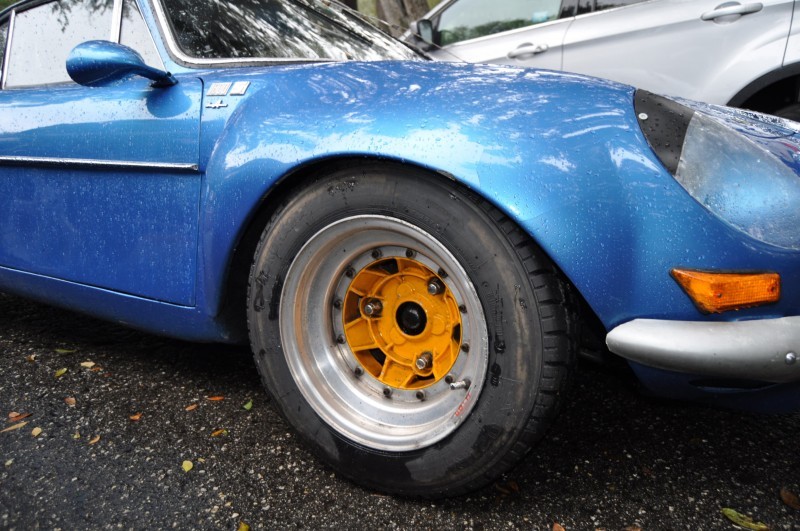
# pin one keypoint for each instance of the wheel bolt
(376, 253)
(462, 308)
(387, 392)
(337, 303)
(340, 339)
(373, 308)
(465, 347)
(424, 361)
(448, 379)
(410, 253)
(420, 395)
(435, 286)
(358, 371)
(350, 272)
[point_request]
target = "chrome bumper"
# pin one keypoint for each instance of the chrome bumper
(765, 350)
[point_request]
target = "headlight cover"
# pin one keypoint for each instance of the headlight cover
(739, 177)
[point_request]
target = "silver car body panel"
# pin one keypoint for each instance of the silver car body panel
(664, 46)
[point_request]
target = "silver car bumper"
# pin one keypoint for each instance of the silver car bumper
(764, 350)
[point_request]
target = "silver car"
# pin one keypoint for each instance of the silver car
(743, 54)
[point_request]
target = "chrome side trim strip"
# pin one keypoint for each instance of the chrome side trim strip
(116, 22)
(763, 349)
(7, 53)
(93, 163)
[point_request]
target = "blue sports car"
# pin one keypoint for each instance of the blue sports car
(415, 251)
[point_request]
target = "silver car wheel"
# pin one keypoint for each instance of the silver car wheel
(402, 407)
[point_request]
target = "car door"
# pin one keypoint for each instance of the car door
(517, 32)
(701, 49)
(98, 186)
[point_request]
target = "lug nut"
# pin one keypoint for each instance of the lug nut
(410, 253)
(435, 286)
(424, 361)
(465, 347)
(358, 371)
(349, 272)
(420, 395)
(462, 308)
(448, 379)
(373, 308)
(376, 253)
(387, 392)
(337, 303)
(791, 358)
(340, 339)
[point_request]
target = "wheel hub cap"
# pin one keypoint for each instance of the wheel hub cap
(413, 323)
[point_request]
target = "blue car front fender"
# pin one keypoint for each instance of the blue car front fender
(561, 154)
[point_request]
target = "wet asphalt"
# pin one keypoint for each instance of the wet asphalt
(615, 459)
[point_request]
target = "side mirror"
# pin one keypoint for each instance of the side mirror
(100, 63)
(424, 30)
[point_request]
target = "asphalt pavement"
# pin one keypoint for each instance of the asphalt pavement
(117, 429)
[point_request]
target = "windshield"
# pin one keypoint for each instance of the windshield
(278, 29)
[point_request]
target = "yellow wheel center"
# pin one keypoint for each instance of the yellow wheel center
(402, 323)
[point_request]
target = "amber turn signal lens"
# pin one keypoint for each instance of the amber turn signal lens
(720, 292)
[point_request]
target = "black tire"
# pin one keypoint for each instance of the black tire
(522, 323)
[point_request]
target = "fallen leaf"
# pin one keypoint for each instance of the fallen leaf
(187, 466)
(96, 369)
(201, 459)
(16, 417)
(36, 431)
(191, 407)
(31, 358)
(136, 418)
(70, 401)
(65, 351)
(215, 398)
(9, 463)
(558, 527)
(790, 498)
(243, 527)
(94, 440)
(14, 427)
(744, 520)
(217, 433)
(632, 528)
(76, 435)
(61, 372)
(88, 364)
(248, 406)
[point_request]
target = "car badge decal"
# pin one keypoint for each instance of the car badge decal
(239, 88)
(218, 89)
(216, 105)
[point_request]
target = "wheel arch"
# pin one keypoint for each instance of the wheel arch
(770, 92)
(234, 283)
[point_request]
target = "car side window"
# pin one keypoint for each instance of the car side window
(46, 34)
(470, 19)
(134, 34)
(589, 6)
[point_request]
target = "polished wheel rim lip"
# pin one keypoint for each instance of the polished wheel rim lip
(325, 369)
